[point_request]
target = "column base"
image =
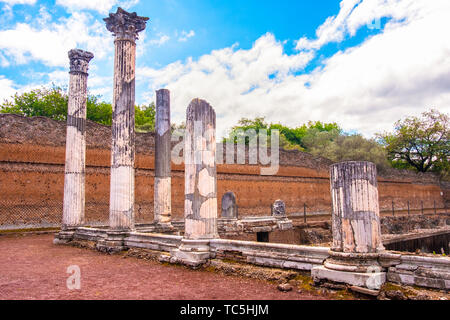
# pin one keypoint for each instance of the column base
(65, 235)
(357, 269)
(114, 241)
(162, 227)
(371, 281)
(284, 224)
(192, 253)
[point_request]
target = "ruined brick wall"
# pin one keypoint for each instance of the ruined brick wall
(32, 155)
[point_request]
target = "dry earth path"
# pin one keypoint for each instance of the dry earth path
(31, 267)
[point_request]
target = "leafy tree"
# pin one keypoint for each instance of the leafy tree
(343, 147)
(43, 102)
(52, 103)
(145, 117)
(420, 143)
(98, 111)
(290, 138)
(318, 138)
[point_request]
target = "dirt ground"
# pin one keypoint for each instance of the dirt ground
(31, 267)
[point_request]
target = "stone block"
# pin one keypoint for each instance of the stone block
(372, 281)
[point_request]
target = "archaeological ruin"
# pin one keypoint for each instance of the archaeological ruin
(121, 190)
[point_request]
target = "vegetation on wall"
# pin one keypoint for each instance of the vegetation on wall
(52, 103)
(417, 143)
(318, 138)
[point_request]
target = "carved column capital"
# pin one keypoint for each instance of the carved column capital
(125, 25)
(79, 60)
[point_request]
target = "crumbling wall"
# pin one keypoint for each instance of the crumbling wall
(32, 154)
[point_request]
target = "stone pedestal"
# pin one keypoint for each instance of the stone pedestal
(192, 253)
(114, 242)
(356, 228)
(65, 235)
(74, 175)
(279, 212)
(125, 27)
(229, 207)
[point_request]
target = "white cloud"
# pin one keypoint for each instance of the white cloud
(7, 88)
(234, 81)
(13, 2)
(49, 42)
(401, 71)
(186, 35)
(332, 30)
(163, 38)
(102, 6)
(355, 14)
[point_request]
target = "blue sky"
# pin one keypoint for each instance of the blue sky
(361, 63)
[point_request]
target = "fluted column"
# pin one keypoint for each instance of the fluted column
(162, 189)
(356, 213)
(354, 256)
(200, 206)
(125, 27)
(74, 177)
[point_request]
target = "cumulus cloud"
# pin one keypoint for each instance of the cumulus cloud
(49, 42)
(402, 70)
(186, 35)
(102, 6)
(234, 81)
(162, 38)
(7, 88)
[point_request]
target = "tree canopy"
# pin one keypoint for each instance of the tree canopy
(318, 138)
(421, 143)
(52, 103)
(290, 138)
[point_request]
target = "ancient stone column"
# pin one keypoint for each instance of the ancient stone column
(125, 27)
(162, 188)
(74, 194)
(356, 227)
(356, 213)
(200, 204)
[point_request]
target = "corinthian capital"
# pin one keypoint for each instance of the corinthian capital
(79, 60)
(125, 25)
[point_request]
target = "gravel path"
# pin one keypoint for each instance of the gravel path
(31, 267)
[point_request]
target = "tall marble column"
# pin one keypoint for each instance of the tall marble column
(356, 227)
(74, 198)
(74, 177)
(125, 27)
(200, 204)
(162, 189)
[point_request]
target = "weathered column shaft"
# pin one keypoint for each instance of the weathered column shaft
(200, 172)
(125, 26)
(123, 136)
(356, 216)
(162, 186)
(74, 178)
